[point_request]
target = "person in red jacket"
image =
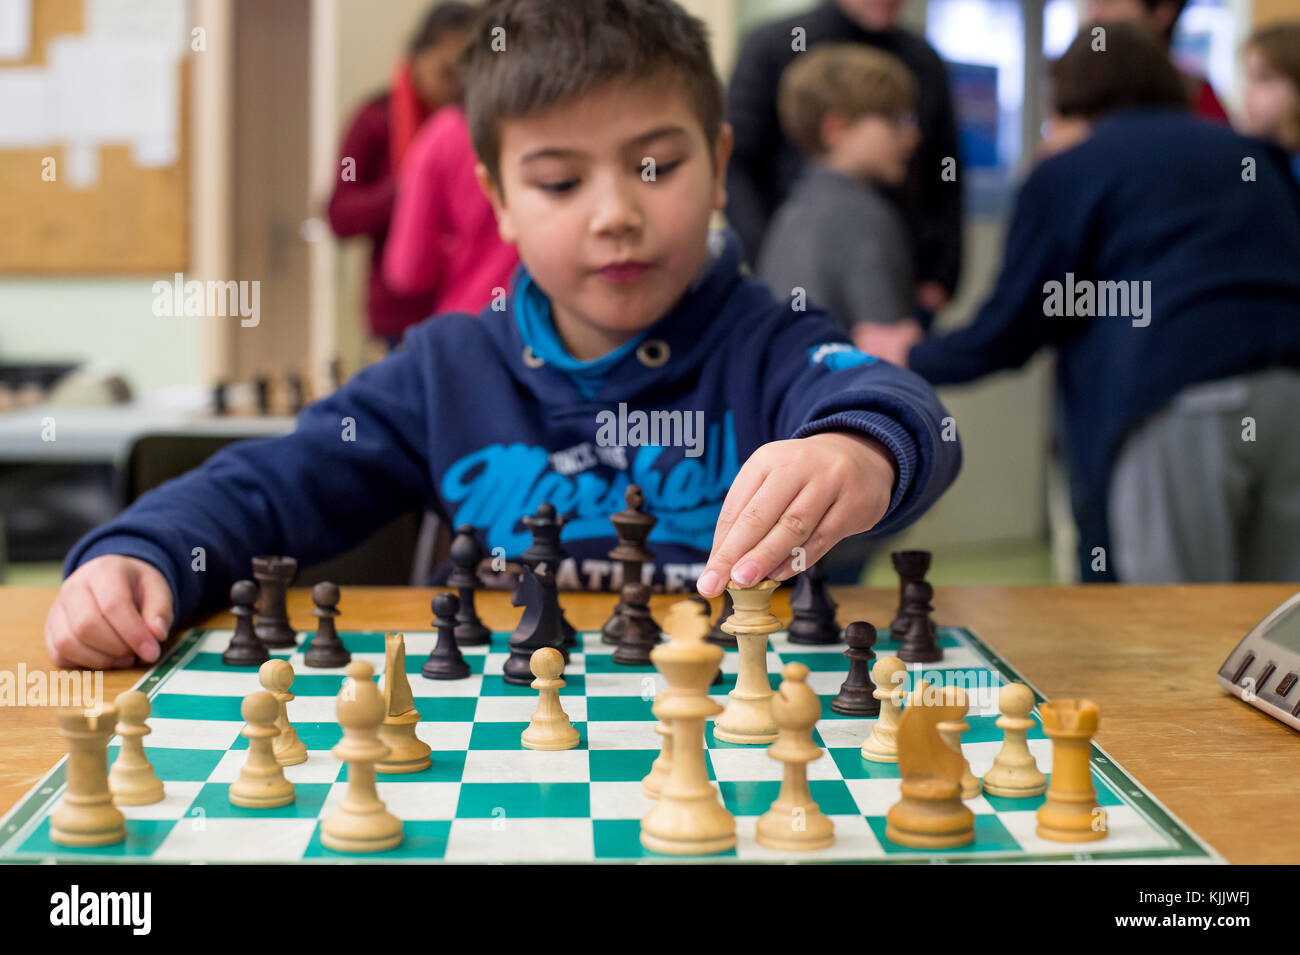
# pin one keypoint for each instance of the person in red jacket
(378, 140)
(1159, 18)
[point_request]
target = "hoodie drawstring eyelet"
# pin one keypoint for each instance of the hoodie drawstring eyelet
(653, 353)
(531, 360)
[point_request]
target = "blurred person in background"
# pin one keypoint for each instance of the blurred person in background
(765, 164)
(1272, 97)
(851, 111)
(1165, 273)
(443, 241)
(1159, 17)
(375, 145)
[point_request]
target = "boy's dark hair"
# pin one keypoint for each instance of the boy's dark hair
(525, 56)
(1131, 71)
(848, 79)
(439, 20)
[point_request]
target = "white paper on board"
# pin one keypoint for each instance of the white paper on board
(15, 29)
(24, 109)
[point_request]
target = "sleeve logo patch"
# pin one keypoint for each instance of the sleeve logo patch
(838, 355)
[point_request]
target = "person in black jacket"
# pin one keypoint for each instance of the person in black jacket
(1159, 255)
(765, 164)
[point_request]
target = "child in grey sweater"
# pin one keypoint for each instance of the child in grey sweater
(837, 240)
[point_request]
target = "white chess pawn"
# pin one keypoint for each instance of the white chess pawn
(362, 823)
(549, 728)
(132, 779)
(276, 676)
(1015, 773)
(261, 783)
(662, 767)
(795, 822)
(881, 746)
(950, 732)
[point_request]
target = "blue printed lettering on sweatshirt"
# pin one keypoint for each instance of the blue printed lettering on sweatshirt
(837, 356)
(493, 486)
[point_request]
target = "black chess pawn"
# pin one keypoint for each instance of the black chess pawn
(538, 627)
(918, 642)
(856, 694)
(327, 649)
(717, 634)
(297, 395)
(273, 575)
(544, 555)
(910, 565)
(813, 610)
(262, 389)
(445, 662)
(245, 649)
(466, 552)
(633, 526)
(641, 633)
(220, 399)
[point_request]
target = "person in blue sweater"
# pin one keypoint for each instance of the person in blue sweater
(631, 347)
(1160, 256)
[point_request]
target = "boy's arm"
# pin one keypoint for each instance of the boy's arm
(867, 449)
(356, 461)
(1013, 323)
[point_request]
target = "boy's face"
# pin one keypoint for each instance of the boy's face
(1269, 98)
(608, 198)
(874, 146)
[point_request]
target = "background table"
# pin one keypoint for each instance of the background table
(1147, 655)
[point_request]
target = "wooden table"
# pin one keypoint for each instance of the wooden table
(1147, 655)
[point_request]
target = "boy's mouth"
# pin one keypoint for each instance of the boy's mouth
(627, 271)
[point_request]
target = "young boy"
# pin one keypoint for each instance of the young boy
(1271, 57)
(1157, 253)
(599, 127)
(851, 111)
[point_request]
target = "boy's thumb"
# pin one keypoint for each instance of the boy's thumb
(156, 608)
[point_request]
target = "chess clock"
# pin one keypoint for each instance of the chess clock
(1264, 669)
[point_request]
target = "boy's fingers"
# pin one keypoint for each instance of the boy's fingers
(90, 628)
(755, 518)
(65, 649)
(155, 600)
(793, 528)
(117, 602)
(827, 533)
(744, 487)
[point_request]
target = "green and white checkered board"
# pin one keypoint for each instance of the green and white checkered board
(487, 799)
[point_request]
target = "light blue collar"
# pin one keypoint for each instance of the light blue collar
(537, 328)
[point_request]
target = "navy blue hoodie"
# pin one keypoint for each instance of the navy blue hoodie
(467, 421)
(1166, 200)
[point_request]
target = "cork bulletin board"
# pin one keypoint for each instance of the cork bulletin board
(93, 151)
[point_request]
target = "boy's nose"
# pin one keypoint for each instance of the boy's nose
(616, 212)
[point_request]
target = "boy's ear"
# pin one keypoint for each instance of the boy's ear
(505, 227)
(721, 155)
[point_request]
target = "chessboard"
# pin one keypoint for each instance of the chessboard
(487, 799)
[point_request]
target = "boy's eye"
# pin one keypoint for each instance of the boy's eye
(663, 168)
(558, 187)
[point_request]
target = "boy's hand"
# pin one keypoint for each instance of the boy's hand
(808, 492)
(109, 610)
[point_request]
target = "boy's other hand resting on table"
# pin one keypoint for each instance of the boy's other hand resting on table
(109, 611)
(807, 492)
